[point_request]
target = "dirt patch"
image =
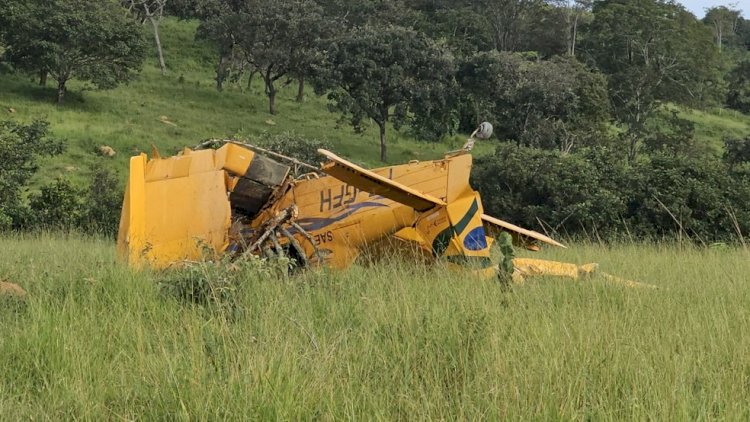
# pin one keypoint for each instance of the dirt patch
(11, 290)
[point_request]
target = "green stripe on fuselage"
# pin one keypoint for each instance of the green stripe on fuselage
(461, 225)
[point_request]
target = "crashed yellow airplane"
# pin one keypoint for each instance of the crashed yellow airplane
(238, 200)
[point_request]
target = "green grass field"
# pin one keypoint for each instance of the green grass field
(96, 341)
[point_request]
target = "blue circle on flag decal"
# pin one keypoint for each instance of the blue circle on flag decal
(476, 240)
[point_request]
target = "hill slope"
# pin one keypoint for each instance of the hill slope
(132, 117)
(184, 107)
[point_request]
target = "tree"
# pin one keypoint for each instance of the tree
(575, 12)
(507, 20)
(738, 97)
(459, 23)
(276, 38)
(736, 151)
(653, 51)
(91, 41)
(724, 22)
(153, 12)
(552, 104)
(387, 74)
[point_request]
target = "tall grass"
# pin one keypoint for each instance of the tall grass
(384, 341)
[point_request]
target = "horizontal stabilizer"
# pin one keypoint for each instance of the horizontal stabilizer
(520, 230)
(374, 183)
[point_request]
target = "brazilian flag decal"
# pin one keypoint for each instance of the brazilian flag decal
(442, 240)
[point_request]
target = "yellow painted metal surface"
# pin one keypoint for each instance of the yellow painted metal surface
(174, 209)
(504, 225)
(370, 181)
(234, 159)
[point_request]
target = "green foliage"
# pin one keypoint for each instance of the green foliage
(94, 208)
(653, 51)
(72, 39)
(595, 194)
(737, 151)
(278, 39)
(102, 203)
(505, 241)
(738, 97)
(293, 145)
(58, 205)
(21, 147)
(568, 192)
(676, 138)
(724, 21)
(219, 284)
(554, 104)
(390, 74)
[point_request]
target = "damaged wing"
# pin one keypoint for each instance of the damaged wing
(496, 222)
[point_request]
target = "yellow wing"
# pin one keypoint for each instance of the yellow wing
(521, 231)
(369, 181)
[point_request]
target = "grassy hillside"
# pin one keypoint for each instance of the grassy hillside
(98, 342)
(129, 118)
(132, 117)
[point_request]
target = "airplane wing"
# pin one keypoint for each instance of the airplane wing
(369, 181)
(521, 231)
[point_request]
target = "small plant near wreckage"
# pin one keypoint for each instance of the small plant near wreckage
(218, 284)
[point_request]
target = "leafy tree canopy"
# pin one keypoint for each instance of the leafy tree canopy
(653, 51)
(390, 74)
(277, 38)
(557, 104)
(91, 41)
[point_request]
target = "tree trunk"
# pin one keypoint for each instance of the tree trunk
(271, 92)
(301, 90)
(250, 79)
(221, 71)
(43, 77)
(162, 65)
(575, 36)
(61, 90)
(382, 142)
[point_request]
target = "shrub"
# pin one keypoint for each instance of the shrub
(94, 208)
(738, 97)
(103, 203)
(218, 285)
(58, 205)
(592, 193)
(21, 147)
(295, 146)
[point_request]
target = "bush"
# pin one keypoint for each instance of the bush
(294, 145)
(103, 203)
(21, 147)
(737, 151)
(565, 191)
(591, 193)
(94, 208)
(218, 285)
(738, 97)
(58, 205)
